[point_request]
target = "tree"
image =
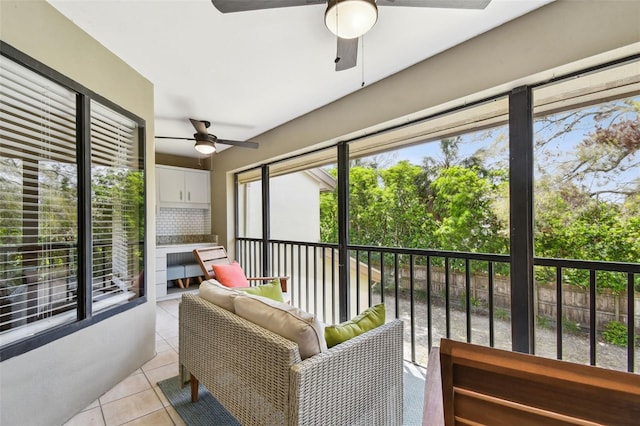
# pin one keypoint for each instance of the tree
(463, 206)
(329, 213)
(587, 194)
(409, 223)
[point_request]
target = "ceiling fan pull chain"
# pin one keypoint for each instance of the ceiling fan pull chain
(337, 53)
(362, 42)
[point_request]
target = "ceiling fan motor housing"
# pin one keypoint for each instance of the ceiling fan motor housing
(203, 137)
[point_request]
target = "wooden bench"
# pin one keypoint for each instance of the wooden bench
(486, 386)
(217, 255)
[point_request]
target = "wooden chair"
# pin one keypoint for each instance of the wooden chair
(486, 386)
(209, 256)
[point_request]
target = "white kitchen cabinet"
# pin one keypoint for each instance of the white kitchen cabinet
(180, 187)
(197, 187)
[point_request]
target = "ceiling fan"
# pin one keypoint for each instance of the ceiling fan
(206, 142)
(347, 19)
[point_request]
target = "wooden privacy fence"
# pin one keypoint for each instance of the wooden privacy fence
(575, 300)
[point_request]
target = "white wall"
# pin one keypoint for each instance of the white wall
(558, 38)
(48, 385)
(295, 207)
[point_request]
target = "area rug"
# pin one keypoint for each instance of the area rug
(208, 411)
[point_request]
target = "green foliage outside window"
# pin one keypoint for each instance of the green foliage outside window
(587, 196)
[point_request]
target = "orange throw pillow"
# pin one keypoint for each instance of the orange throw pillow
(230, 275)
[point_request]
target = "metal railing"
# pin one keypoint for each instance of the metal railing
(463, 296)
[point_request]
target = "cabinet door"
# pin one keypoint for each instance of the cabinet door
(170, 185)
(197, 187)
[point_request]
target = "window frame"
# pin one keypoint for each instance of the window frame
(85, 317)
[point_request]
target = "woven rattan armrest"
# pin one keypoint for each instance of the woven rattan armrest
(358, 382)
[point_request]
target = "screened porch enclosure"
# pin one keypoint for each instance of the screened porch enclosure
(521, 233)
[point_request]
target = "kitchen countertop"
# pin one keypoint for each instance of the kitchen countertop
(170, 240)
(185, 245)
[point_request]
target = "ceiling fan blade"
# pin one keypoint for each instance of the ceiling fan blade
(228, 6)
(449, 4)
(238, 143)
(347, 55)
(171, 137)
(200, 126)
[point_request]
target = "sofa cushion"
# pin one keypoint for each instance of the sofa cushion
(272, 291)
(285, 320)
(219, 295)
(369, 319)
(230, 275)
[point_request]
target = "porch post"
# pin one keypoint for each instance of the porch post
(521, 218)
(343, 230)
(266, 231)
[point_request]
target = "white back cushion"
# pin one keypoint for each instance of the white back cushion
(285, 320)
(216, 293)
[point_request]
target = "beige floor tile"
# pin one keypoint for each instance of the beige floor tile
(91, 417)
(94, 404)
(167, 322)
(169, 332)
(130, 408)
(162, 358)
(157, 418)
(161, 395)
(158, 374)
(129, 386)
(175, 417)
(164, 319)
(162, 345)
(174, 342)
(138, 371)
(170, 306)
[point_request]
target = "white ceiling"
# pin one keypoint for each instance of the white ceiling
(249, 72)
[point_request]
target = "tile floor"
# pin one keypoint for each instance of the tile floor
(137, 400)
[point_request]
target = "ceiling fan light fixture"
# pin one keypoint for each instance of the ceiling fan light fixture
(205, 147)
(350, 18)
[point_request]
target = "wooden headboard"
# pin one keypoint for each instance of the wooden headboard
(486, 386)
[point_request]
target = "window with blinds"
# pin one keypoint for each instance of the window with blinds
(117, 208)
(42, 285)
(38, 203)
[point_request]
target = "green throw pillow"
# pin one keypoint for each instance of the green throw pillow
(367, 320)
(272, 290)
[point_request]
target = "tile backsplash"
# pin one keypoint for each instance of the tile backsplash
(172, 221)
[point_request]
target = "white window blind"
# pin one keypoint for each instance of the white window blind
(116, 205)
(38, 203)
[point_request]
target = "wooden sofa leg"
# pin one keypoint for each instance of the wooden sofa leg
(194, 388)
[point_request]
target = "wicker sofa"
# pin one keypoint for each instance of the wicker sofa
(260, 378)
